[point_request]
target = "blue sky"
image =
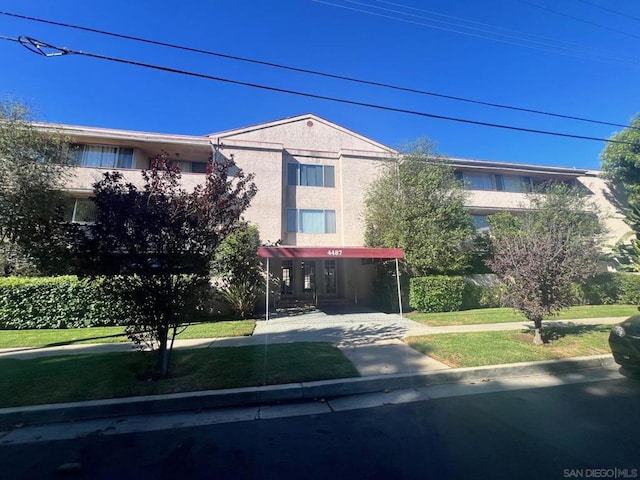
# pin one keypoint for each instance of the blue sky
(569, 57)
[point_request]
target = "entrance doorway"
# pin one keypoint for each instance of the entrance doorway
(309, 279)
(330, 279)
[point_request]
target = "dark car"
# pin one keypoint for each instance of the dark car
(624, 341)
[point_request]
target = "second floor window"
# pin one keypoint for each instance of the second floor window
(501, 183)
(311, 221)
(311, 175)
(101, 156)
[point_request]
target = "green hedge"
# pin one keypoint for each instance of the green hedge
(437, 293)
(608, 288)
(445, 294)
(629, 289)
(55, 302)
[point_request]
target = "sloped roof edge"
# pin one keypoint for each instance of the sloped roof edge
(297, 118)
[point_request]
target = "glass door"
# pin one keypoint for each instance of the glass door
(330, 277)
(286, 285)
(309, 279)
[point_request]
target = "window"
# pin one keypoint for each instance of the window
(311, 175)
(80, 210)
(186, 166)
(101, 156)
(477, 181)
(513, 183)
(311, 221)
(480, 222)
(198, 167)
(502, 183)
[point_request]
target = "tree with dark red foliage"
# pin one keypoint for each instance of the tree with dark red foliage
(155, 244)
(541, 251)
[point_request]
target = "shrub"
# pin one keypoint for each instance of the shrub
(437, 293)
(630, 288)
(55, 302)
(385, 288)
(483, 291)
(603, 289)
(483, 296)
(242, 298)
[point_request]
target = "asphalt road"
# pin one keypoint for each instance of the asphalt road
(582, 430)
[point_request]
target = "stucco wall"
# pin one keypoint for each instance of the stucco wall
(307, 133)
(610, 214)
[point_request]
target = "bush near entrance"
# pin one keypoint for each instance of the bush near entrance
(438, 293)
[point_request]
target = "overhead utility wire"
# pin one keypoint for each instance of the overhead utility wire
(578, 19)
(483, 28)
(558, 49)
(315, 72)
(48, 50)
(607, 9)
(522, 35)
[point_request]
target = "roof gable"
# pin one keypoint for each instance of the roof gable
(305, 132)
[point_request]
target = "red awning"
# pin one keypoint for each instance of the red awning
(329, 252)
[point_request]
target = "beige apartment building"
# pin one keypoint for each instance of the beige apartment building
(312, 176)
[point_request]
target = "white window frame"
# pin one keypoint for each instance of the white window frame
(79, 148)
(74, 212)
(299, 175)
(325, 219)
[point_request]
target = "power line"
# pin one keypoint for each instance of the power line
(578, 19)
(48, 50)
(493, 29)
(315, 72)
(557, 49)
(515, 33)
(611, 10)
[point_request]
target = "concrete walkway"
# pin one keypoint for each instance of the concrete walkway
(370, 340)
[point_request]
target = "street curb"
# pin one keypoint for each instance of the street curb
(64, 412)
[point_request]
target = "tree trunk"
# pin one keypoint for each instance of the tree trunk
(537, 332)
(163, 357)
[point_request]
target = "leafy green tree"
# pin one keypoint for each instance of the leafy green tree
(542, 250)
(237, 265)
(156, 243)
(621, 161)
(32, 174)
(417, 204)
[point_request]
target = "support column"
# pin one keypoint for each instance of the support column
(266, 316)
(399, 291)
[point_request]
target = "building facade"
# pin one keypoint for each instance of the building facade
(312, 177)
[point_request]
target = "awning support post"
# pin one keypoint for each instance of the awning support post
(399, 291)
(266, 316)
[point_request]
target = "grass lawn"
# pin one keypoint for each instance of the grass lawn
(55, 337)
(88, 377)
(491, 348)
(499, 315)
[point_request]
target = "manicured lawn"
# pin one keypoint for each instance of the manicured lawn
(491, 348)
(88, 377)
(499, 315)
(54, 337)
